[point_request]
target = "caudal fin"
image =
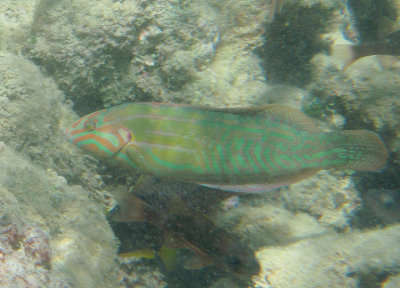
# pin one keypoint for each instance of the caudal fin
(361, 150)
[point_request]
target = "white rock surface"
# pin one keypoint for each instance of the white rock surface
(331, 260)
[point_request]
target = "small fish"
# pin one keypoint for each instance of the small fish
(350, 53)
(187, 228)
(140, 253)
(167, 255)
(243, 150)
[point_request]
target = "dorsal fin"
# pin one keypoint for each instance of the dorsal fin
(241, 110)
(292, 117)
(245, 111)
(285, 114)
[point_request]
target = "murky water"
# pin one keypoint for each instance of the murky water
(222, 191)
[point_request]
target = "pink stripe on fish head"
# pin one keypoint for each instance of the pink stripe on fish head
(105, 141)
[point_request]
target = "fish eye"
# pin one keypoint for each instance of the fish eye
(90, 125)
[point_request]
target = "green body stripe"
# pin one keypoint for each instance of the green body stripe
(215, 165)
(111, 138)
(230, 158)
(249, 158)
(239, 143)
(281, 158)
(259, 155)
(99, 146)
(268, 159)
(222, 159)
(206, 161)
(238, 157)
(176, 166)
(301, 161)
(241, 161)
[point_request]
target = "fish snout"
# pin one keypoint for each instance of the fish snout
(67, 134)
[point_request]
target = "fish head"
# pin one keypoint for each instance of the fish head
(98, 137)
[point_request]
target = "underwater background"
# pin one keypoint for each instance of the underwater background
(63, 59)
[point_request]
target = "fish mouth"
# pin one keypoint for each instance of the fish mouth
(67, 134)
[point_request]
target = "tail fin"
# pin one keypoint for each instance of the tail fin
(362, 150)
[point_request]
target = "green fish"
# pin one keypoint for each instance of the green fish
(243, 150)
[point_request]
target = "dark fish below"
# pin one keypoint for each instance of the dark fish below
(187, 228)
(244, 150)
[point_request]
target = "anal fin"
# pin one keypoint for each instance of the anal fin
(247, 188)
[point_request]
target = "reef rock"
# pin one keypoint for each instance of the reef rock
(51, 232)
(35, 194)
(330, 260)
(102, 53)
